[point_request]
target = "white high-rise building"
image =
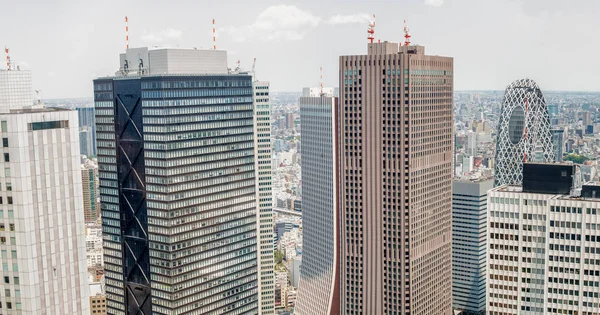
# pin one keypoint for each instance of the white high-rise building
(544, 244)
(42, 240)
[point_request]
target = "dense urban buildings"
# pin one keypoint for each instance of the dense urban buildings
(319, 287)
(543, 248)
(469, 234)
(523, 132)
(396, 181)
(180, 188)
(41, 208)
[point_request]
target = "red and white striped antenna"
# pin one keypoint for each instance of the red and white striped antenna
(214, 35)
(126, 32)
(7, 58)
(371, 30)
(321, 80)
(406, 34)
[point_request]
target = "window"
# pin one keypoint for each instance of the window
(7, 292)
(16, 280)
(49, 125)
(6, 157)
(11, 226)
(6, 279)
(9, 186)
(5, 142)
(10, 200)
(2, 227)
(2, 240)
(13, 254)
(9, 305)
(7, 171)
(4, 126)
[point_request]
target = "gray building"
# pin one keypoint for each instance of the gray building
(318, 291)
(179, 184)
(469, 215)
(558, 143)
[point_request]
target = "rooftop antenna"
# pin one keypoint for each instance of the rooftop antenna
(406, 34)
(254, 66)
(126, 32)
(371, 30)
(7, 58)
(237, 66)
(321, 80)
(39, 98)
(214, 35)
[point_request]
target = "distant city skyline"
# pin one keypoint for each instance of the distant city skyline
(493, 42)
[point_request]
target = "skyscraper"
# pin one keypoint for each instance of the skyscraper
(558, 144)
(396, 181)
(89, 172)
(182, 185)
(469, 234)
(543, 246)
(264, 195)
(523, 132)
(41, 208)
(319, 287)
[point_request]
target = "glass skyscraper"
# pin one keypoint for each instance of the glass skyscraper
(178, 183)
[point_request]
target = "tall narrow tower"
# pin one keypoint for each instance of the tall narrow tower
(319, 287)
(523, 132)
(396, 181)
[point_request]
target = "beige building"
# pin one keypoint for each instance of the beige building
(396, 181)
(97, 299)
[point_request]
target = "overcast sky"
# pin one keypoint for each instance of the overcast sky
(68, 43)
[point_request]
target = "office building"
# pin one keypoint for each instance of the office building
(317, 91)
(97, 299)
(41, 206)
(264, 195)
(319, 285)
(87, 131)
(183, 183)
(89, 175)
(469, 233)
(471, 148)
(558, 144)
(523, 132)
(395, 123)
(543, 244)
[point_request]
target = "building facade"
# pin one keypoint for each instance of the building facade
(543, 246)
(89, 175)
(264, 196)
(41, 206)
(396, 108)
(319, 285)
(523, 132)
(179, 185)
(469, 233)
(558, 143)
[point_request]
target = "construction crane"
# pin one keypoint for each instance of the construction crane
(214, 30)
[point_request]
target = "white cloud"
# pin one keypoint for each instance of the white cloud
(434, 3)
(278, 22)
(361, 18)
(162, 35)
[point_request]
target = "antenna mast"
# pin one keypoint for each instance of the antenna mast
(406, 34)
(321, 80)
(371, 30)
(7, 58)
(126, 32)
(254, 66)
(214, 35)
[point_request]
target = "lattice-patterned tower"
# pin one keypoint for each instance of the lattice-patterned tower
(523, 132)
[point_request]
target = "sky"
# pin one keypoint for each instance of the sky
(68, 43)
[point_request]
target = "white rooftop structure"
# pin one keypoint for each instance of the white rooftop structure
(16, 89)
(143, 61)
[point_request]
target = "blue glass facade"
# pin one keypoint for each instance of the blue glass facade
(177, 183)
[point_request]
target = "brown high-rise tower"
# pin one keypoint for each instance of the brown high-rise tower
(396, 181)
